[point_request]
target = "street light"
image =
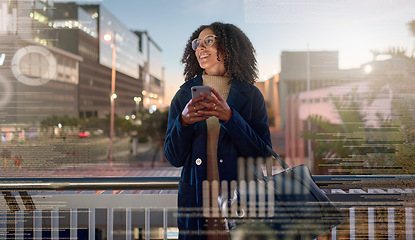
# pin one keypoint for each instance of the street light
(137, 101)
(368, 69)
(108, 37)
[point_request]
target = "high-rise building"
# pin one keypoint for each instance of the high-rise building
(300, 72)
(37, 80)
(55, 62)
(153, 70)
(307, 70)
(139, 71)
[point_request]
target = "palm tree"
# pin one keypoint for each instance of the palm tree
(333, 143)
(387, 149)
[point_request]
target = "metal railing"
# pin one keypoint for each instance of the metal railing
(379, 207)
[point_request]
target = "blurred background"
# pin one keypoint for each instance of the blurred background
(85, 88)
(89, 83)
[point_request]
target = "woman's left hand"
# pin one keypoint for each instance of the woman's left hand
(216, 105)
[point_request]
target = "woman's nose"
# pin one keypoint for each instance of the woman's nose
(201, 45)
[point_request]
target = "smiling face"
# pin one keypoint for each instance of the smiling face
(208, 56)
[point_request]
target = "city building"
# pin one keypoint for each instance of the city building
(300, 71)
(269, 90)
(37, 79)
(380, 88)
(54, 61)
(307, 70)
(139, 71)
(153, 92)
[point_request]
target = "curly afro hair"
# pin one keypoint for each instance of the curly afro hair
(237, 49)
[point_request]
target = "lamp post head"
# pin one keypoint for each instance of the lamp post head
(107, 37)
(368, 69)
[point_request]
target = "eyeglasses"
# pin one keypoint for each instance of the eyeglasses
(208, 41)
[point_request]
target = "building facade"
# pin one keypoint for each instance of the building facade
(152, 71)
(54, 62)
(306, 70)
(81, 29)
(38, 80)
(379, 92)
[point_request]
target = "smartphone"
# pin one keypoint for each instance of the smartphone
(196, 90)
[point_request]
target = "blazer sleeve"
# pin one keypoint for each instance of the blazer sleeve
(250, 138)
(177, 145)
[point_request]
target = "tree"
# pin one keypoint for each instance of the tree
(333, 143)
(64, 120)
(153, 127)
(356, 148)
(411, 26)
(121, 125)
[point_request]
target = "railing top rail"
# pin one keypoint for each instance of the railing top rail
(89, 183)
(171, 183)
(365, 181)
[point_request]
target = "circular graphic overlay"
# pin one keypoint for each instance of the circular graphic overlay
(33, 65)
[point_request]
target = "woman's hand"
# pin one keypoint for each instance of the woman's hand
(190, 112)
(216, 106)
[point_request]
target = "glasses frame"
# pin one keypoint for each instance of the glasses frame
(198, 41)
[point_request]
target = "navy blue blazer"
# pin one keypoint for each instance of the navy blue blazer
(245, 134)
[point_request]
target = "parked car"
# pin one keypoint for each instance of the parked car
(84, 134)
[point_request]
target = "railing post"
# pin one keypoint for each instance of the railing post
(147, 223)
(110, 223)
(91, 223)
(74, 224)
(409, 229)
(19, 225)
(352, 219)
(128, 223)
(3, 224)
(165, 222)
(391, 223)
(371, 222)
(55, 224)
(37, 225)
(334, 233)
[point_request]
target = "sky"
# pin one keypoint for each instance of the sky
(351, 27)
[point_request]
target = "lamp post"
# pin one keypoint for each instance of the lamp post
(108, 37)
(137, 101)
(310, 152)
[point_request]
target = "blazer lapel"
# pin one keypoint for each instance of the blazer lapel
(237, 99)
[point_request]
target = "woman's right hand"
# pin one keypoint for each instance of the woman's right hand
(189, 114)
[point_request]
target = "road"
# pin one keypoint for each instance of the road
(81, 158)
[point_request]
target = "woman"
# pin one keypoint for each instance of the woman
(207, 135)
